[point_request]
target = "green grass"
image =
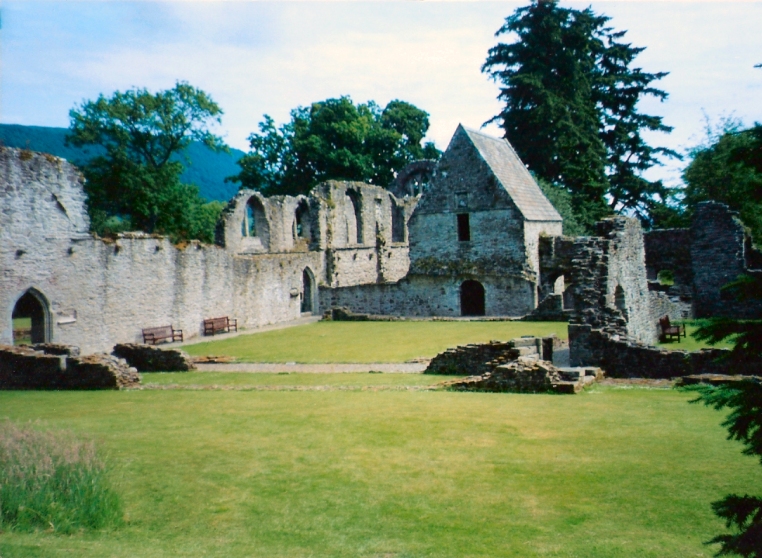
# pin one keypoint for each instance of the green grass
(367, 341)
(607, 473)
(52, 481)
(22, 331)
(690, 343)
(241, 379)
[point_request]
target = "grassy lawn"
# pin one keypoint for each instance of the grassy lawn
(607, 473)
(691, 344)
(243, 379)
(367, 341)
(21, 331)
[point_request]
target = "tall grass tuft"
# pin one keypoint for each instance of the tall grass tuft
(52, 481)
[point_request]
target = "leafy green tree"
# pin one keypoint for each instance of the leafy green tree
(136, 183)
(727, 167)
(571, 96)
(744, 423)
(335, 139)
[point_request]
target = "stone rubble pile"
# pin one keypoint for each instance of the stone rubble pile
(23, 367)
(147, 358)
(527, 375)
(520, 365)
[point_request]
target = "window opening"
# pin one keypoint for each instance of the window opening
(464, 227)
(354, 198)
(306, 291)
(398, 223)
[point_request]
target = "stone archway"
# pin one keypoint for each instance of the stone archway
(472, 298)
(31, 319)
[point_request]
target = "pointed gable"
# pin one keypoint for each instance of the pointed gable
(513, 176)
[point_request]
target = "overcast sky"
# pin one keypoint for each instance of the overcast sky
(269, 57)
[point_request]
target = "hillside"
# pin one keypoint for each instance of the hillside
(206, 168)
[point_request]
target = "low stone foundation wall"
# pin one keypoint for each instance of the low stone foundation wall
(477, 359)
(623, 358)
(24, 368)
(153, 359)
(521, 376)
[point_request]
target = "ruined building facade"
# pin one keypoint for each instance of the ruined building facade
(469, 235)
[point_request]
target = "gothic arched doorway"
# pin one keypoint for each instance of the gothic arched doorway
(31, 319)
(471, 298)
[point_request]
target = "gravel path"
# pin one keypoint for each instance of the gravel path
(399, 367)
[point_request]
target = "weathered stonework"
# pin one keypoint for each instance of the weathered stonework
(477, 224)
(24, 368)
(271, 255)
(146, 358)
(712, 252)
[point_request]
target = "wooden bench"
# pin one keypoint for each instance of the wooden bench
(153, 335)
(669, 331)
(213, 326)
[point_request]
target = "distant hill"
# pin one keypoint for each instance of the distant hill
(206, 169)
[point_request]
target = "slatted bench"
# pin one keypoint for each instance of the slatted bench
(224, 324)
(669, 331)
(153, 335)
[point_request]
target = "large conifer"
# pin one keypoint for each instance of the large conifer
(570, 111)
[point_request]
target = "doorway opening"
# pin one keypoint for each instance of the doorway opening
(471, 298)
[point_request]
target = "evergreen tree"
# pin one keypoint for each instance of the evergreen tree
(570, 111)
(744, 423)
(335, 139)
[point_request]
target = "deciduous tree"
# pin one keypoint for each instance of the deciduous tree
(335, 139)
(136, 183)
(727, 167)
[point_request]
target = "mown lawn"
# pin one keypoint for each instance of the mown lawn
(607, 473)
(367, 341)
(689, 343)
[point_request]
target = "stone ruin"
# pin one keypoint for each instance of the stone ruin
(523, 365)
(470, 235)
(57, 367)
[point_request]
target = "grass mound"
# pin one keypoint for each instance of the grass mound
(52, 481)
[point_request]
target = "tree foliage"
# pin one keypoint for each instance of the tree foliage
(727, 168)
(136, 183)
(742, 514)
(335, 139)
(571, 97)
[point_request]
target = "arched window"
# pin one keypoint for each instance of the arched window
(254, 219)
(471, 298)
(354, 218)
(302, 223)
(308, 291)
(255, 224)
(31, 319)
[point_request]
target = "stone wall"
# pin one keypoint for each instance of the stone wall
(669, 250)
(146, 358)
(425, 295)
(24, 368)
(623, 358)
(95, 293)
(720, 252)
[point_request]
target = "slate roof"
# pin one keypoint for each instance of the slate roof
(514, 177)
